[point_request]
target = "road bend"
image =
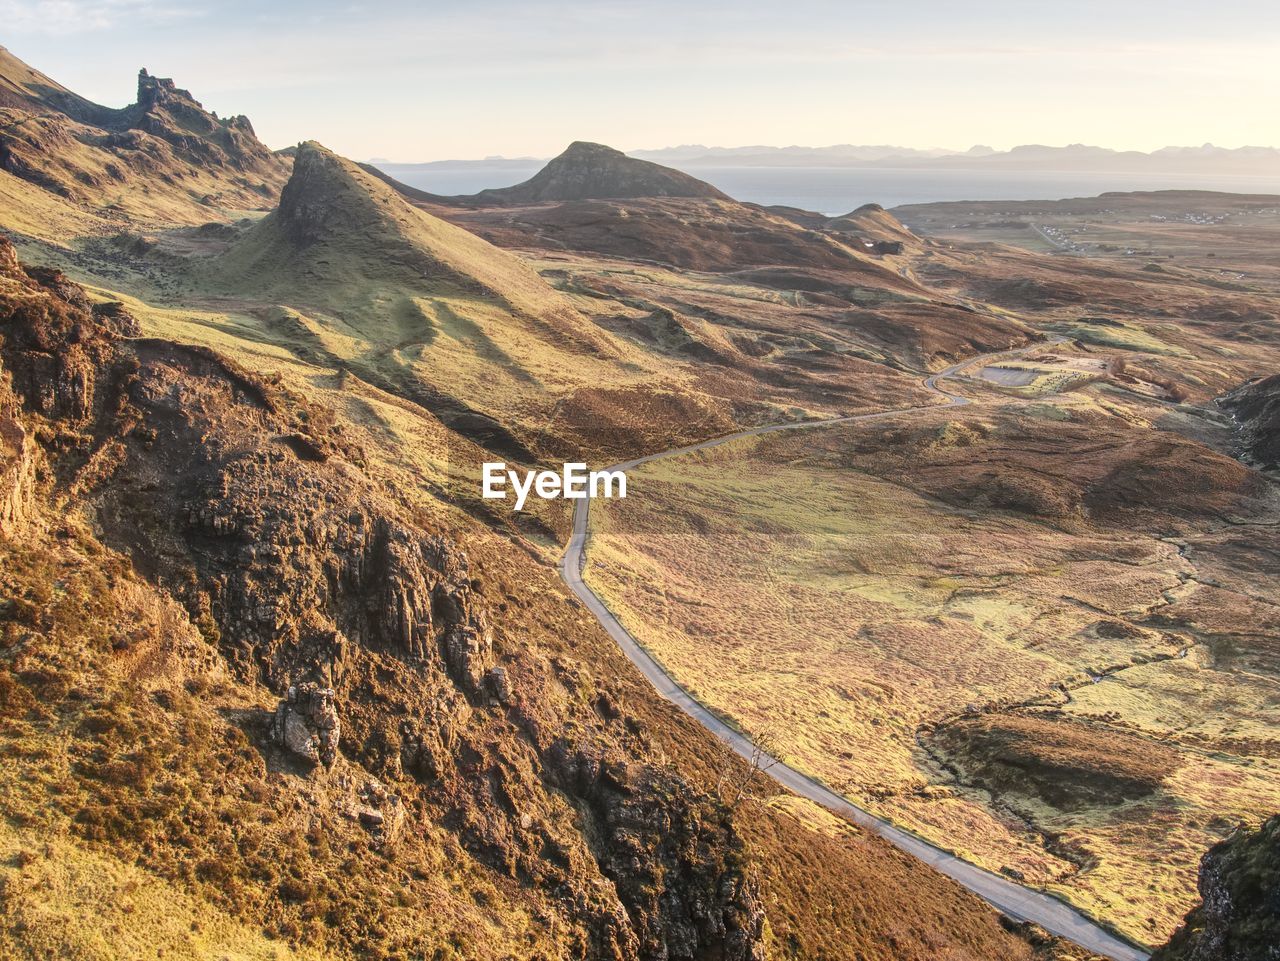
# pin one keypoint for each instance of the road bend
(1016, 900)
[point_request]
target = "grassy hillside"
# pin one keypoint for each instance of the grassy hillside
(417, 306)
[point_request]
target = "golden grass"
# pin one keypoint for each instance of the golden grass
(65, 900)
(841, 613)
(38, 214)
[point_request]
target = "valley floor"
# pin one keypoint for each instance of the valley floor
(763, 747)
(1050, 696)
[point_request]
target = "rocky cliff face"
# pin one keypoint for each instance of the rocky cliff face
(18, 451)
(592, 171)
(1256, 408)
(1239, 915)
(17, 475)
(253, 511)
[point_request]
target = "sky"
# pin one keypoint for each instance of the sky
(457, 79)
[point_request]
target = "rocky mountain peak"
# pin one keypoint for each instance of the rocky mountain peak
(82, 151)
(167, 111)
(157, 92)
(321, 197)
(584, 150)
(154, 91)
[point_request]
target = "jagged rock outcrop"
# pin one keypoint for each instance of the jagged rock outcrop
(18, 451)
(168, 112)
(1238, 918)
(299, 587)
(56, 347)
(677, 903)
(499, 684)
(592, 171)
(306, 722)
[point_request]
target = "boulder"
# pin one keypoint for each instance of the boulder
(468, 649)
(378, 811)
(306, 723)
(499, 684)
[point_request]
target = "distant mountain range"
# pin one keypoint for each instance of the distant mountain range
(1205, 159)
(1075, 157)
(837, 154)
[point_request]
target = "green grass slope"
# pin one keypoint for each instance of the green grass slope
(339, 228)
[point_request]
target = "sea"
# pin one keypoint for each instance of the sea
(838, 190)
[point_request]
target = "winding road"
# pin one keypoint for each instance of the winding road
(1013, 899)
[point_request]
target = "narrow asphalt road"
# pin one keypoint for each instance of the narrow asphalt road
(1015, 900)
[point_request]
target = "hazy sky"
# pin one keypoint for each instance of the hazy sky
(454, 79)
